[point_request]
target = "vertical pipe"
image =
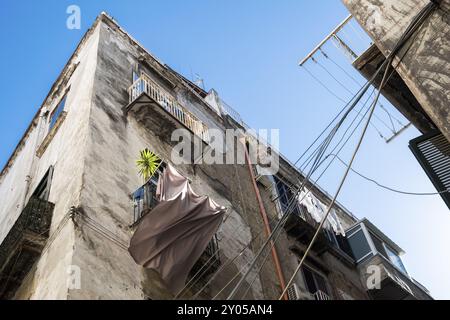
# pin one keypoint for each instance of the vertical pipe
(267, 228)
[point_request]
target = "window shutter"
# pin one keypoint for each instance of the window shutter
(432, 150)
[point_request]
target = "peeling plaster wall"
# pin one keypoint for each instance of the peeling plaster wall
(94, 155)
(13, 185)
(66, 151)
(426, 67)
(110, 175)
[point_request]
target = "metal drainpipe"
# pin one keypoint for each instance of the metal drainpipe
(263, 212)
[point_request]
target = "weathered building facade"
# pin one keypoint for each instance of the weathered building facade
(420, 86)
(69, 204)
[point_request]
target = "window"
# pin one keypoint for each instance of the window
(208, 263)
(285, 196)
(338, 241)
(57, 112)
(378, 245)
(137, 70)
(42, 191)
(395, 259)
(365, 242)
(359, 245)
(331, 237)
(144, 198)
(314, 281)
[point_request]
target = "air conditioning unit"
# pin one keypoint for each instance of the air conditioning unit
(293, 292)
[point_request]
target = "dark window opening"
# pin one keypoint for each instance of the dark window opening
(137, 71)
(42, 191)
(344, 246)
(378, 245)
(144, 198)
(57, 112)
(285, 197)
(359, 245)
(208, 263)
(314, 281)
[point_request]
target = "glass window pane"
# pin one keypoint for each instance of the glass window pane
(379, 245)
(135, 76)
(395, 259)
(359, 245)
(57, 112)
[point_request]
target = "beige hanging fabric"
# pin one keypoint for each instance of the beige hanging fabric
(173, 235)
(317, 211)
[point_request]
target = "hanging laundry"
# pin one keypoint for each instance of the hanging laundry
(172, 237)
(317, 210)
(335, 222)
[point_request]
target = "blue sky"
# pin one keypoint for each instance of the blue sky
(248, 51)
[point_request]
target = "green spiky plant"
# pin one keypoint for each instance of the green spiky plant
(147, 163)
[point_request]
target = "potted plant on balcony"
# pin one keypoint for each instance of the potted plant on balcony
(147, 163)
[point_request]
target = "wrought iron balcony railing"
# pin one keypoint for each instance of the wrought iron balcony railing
(144, 199)
(23, 245)
(145, 85)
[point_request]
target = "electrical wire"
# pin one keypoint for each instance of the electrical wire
(412, 28)
(321, 175)
(340, 67)
(392, 127)
(291, 204)
(359, 84)
(349, 91)
(342, 100)
(341, 184)
(390, 188)
(202, 271)
(323, 85)
(403, 39)
(331, 75)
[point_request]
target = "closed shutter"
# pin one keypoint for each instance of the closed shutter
(432, 150)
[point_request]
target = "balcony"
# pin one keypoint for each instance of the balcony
(301, 226)
(144, 199)
(392, 284)
(23, 245)
(380, 266)
(151, 104)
